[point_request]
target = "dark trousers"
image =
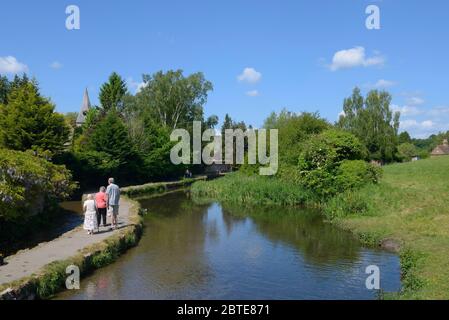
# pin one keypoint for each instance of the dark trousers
(101, 213)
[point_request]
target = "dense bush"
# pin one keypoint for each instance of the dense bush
(29, 184)
(356, 173)
(320, 161)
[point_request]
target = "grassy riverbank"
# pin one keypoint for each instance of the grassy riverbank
(238, 188)
(408, 207)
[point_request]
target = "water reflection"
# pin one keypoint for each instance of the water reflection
(206, 251)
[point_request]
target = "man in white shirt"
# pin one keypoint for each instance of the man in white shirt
(113, 192)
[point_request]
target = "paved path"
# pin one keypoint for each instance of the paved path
(26, 262)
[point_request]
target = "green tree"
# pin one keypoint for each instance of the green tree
(112, 93)
(172, 99)
(212, 121)
(29, 121)
(294, 129)
(404, 137)
(407, 151)
(227, 124)
(373, 122)
(111, 136)
(5, 86)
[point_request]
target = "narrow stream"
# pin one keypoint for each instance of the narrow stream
(209, 251)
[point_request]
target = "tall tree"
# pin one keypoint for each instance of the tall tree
(113, 92)
(4, 89)
(172, 99)
(29, 121)
(404, 137)
(110, 136)
(227, 124)
(373, 122)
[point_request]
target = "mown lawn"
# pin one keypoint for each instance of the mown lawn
(411, 206)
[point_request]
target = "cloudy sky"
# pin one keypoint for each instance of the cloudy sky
(260, 55)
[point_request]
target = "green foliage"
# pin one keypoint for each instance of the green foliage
(373, 122)
(28, 121)
(294, 130)
(251, 190)
(406, 151)
(110, 136)
(404, 137)
(324, 167)
(171, 99)
(4, 89)
(410, 262)
(348, 203)
(29, 184)
(356, 173)
(89, 167)
(113, 92)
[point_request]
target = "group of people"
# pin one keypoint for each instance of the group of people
(101, 205)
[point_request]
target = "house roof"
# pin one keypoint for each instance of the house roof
(85, 107)
(442, 149)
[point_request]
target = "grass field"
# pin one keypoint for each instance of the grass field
(411, 206)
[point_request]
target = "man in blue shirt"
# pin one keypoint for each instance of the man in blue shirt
(113, 192)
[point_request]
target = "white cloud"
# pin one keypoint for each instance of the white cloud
(252, 93)
(412, 123)
(439, 111)
(10, 65)
(415, 101)
(407, 110)
(56, 65)
(135, 85)
(422, 129)
(341, 114)
(250, 75)
(427, 124)
(382, 83)
(354, 57)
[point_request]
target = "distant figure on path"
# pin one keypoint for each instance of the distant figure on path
(113, 192)
(101, 200)
(90, 215)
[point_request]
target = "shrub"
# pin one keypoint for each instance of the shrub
(29, 184)
(356, 173)
(322, 156)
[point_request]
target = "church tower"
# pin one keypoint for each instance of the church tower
(85, 107)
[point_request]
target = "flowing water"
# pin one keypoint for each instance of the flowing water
(210, 251)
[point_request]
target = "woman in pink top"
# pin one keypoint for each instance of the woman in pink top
(101, 200)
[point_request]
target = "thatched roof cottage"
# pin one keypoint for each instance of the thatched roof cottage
(441, 150)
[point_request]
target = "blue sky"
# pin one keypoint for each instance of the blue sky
(301, 55)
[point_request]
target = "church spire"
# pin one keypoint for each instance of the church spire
(85, 107)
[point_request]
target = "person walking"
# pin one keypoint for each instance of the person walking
(101, 200)
(90, 215)
(113, 197)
